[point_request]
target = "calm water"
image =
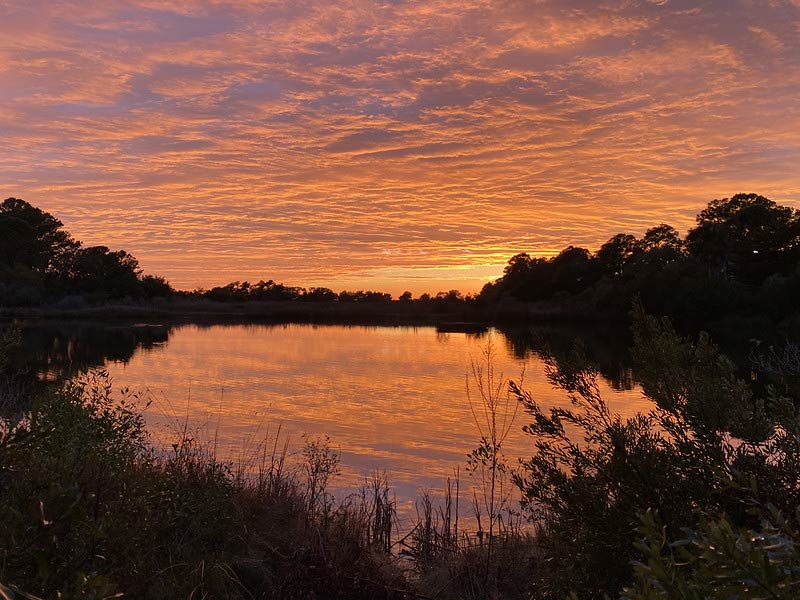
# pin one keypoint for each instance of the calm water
(390, 398)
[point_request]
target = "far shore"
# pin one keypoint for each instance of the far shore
(456, 316)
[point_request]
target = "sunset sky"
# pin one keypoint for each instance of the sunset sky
(390, 144)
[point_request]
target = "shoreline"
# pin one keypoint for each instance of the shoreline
(455, 317)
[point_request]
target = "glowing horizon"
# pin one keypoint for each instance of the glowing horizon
(390, 144)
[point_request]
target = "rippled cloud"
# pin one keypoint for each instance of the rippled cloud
(390, 144)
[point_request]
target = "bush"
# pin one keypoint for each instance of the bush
(593, 473)
(89, 510)
(718, 560)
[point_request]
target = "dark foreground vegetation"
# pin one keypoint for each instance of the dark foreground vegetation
(737, 270)
(698, 498)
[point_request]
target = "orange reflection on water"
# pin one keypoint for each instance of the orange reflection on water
(391, 399)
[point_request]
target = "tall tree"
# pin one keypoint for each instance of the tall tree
(748, 236)
(573, 270)
(661, 237)
(33, 238)
(616, 252)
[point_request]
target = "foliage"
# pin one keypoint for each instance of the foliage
(747, 235)
(154, 286)
(40, 261)
(96, 270)
(717, 560)
(244, 291)
(90, 511)
(593, 473)
(363, 296)
(33, 238)
(740, 260)
(262, 290)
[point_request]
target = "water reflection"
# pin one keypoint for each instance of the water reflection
(56, 351)
(607, 348)
(390, 398)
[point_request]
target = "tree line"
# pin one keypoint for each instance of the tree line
(737, 266)
(40, 261)
(243, 291)
(740, 260)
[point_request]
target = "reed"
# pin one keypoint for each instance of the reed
(90, 509)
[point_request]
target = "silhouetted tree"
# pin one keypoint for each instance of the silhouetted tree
(40, 261)
(32, 238)
(320, 294)
(263, 290)
(573, 270)
(105, 274)
(155, 287)
(450, 296)
(616, 252)
(747, 235)
(526, 278)
(661, 237)
(740, 263)
(518, 267)
(364, 296)
(660, 246)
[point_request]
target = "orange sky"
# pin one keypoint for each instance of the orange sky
(390, 144)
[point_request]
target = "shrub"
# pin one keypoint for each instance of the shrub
(594, 473)
(89, 510)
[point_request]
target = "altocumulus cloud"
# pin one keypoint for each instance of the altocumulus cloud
(350, 143)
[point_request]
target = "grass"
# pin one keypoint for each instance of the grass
(91, 510)
(453, 561)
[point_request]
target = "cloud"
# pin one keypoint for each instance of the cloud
(348, 141)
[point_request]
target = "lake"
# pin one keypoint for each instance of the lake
(391, 399)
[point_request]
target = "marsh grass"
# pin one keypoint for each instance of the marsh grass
(449, 555)
(90, 510)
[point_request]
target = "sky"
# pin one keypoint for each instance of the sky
(390, 144)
